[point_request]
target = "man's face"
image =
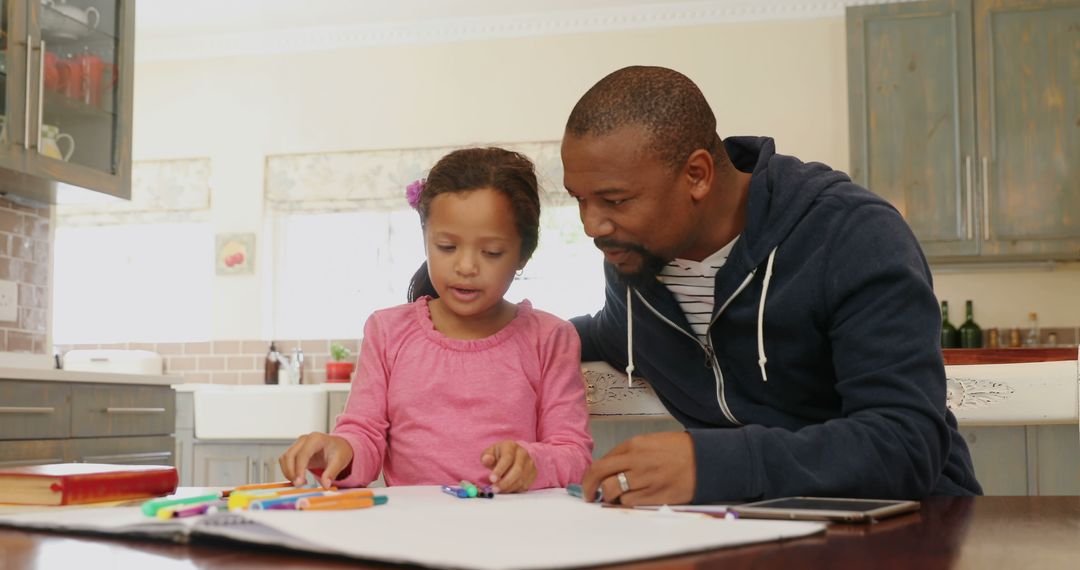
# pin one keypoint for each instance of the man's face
(635, 207)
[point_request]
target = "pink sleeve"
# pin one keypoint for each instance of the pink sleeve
(564, 447)
(364, 422)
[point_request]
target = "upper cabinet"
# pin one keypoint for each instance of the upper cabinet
(66, 96)
(965, 114)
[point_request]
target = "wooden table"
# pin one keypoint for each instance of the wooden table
(981, 532)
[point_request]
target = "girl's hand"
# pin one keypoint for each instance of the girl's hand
(512, 468)
(316, 451)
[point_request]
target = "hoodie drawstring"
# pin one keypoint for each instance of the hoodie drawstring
(629, 338)
(761, 316)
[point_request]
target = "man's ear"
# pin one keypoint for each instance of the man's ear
(699, 173)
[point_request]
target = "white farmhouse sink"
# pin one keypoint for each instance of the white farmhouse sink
(258, 412)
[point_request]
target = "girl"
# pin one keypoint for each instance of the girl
(460, 383)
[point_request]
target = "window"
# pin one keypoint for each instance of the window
(145, 282)
(332, 270)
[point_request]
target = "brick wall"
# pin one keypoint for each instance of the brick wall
(25, 255)
(231, 361)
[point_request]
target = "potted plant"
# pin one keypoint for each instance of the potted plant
(341, 368)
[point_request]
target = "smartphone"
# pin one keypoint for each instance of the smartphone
(825, 509)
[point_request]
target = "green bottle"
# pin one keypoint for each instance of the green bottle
(970, 333)
(950, 337)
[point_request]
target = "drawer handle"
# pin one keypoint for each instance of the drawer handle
(134, 410)
(128, 457)
(26, 410)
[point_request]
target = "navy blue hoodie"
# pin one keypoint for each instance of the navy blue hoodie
(822, 374)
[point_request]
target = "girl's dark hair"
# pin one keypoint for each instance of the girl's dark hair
(471, 169)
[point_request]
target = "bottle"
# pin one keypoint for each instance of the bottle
(296, 366)
(1014, 338)
(950, 337)
(994, 341)
(1032, 337)
(272, 364)
(970, 333)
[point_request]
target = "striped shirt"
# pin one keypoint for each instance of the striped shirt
(692, 283)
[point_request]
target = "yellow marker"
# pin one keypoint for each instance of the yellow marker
(241, 501)
(165, 513)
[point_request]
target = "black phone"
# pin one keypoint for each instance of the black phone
(825, 509)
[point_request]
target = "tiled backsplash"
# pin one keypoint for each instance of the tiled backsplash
(25, 252)
(232, 361)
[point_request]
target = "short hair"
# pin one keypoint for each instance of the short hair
(665, 102)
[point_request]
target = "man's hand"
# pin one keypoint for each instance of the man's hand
(512, 468)
(658, 469)
(316, 450)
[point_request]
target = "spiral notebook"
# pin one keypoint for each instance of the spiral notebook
(422, 526)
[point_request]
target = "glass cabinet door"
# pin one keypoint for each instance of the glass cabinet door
(77, 117)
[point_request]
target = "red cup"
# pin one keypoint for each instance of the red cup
(52, 72)
(71, 82)
(92, 69)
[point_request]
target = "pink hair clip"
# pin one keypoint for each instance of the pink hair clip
(412, 192)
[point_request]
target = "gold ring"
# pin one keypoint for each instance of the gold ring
(623, 483)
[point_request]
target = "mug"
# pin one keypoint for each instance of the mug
(50, 143)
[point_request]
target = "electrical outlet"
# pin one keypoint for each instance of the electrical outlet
(9, 301)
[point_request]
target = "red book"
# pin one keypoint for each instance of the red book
(78, 483)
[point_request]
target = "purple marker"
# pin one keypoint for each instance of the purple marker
(455, 491)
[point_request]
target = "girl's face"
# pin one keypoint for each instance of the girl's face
(473, 250)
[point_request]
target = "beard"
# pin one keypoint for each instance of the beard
(651, 264)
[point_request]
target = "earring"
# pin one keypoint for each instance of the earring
(519, 273)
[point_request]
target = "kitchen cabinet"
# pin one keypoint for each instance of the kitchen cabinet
(66, 85)
(236, 463)
(53, 422)
(965, 114)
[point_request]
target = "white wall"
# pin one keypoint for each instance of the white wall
(785, 79)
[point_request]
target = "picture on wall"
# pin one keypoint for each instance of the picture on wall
(235, 254)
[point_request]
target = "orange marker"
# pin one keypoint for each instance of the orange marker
(305, 504)
(340, 496)
(279, 484)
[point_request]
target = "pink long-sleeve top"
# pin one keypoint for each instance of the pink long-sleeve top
(423, 406)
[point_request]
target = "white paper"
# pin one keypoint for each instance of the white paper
(422, 525)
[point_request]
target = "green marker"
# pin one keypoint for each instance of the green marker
(469, 488)
(150, 508)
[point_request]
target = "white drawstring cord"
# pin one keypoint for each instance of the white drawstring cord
(629, 338)
(761, 316)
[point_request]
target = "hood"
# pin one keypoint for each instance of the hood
(781, 191)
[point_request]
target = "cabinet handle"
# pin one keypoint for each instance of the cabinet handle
(40, 94)
(134, 410)
(986, 196)
(967, 196)
(254, 478)
(26, 410)
(26, 101)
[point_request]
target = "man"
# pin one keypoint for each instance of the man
(784, 315)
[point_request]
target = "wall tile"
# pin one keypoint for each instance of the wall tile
(211, 363)
(241, 363)
(197, 348)
(225, 378)
(170, 348)
(18, 341)
(251, 378)
(180, 363)
(255, 346)
(226, 347)
(196, 377)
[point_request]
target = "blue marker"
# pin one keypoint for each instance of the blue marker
(455, 491)
(575, 490)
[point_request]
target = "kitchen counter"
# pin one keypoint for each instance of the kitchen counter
(54, 375)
